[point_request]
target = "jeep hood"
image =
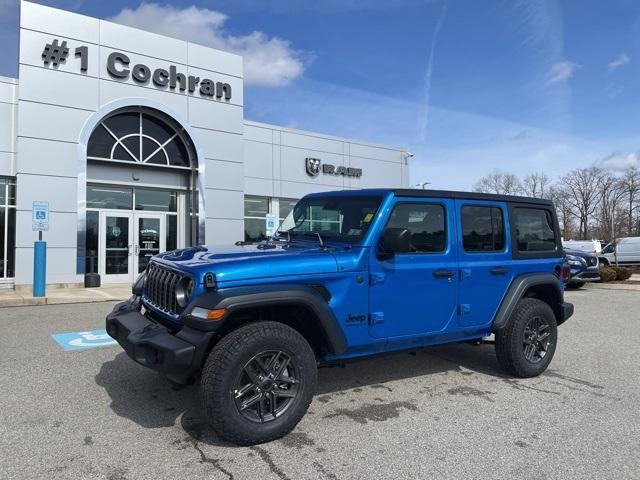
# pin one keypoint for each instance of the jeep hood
(246, 262)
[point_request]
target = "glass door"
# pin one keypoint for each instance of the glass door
(116, 251)
(150, 239)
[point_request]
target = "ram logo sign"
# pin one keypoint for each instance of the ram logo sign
(314, 166)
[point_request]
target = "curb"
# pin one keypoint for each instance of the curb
(36, 301)
(614, 286)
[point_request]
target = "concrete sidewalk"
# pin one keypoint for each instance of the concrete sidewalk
(109, 293)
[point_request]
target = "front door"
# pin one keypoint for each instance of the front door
(149, 239)
(128, 240)
(416, 293)
(116, 247)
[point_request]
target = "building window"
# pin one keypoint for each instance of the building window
(135, 136)
(482, 229)
(285, 205)
(7, 227)
(255, 212)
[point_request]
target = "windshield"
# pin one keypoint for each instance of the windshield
(338, 218)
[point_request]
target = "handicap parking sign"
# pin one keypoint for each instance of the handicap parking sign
(83, 340)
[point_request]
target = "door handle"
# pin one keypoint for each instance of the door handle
(129, 249)
(442, 273)
(499, 271)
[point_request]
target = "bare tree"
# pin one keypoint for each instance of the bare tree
(630, 182)
(536, 185)
(499, 182)
(612, 193)
(583, 188)
(560, 197)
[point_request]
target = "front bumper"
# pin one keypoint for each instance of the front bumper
(566, 310)
(586, 277)
(179, 355)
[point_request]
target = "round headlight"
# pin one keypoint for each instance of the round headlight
(184, 289)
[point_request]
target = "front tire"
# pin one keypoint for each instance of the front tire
(527, 343)
(258, 382)
(575, 285)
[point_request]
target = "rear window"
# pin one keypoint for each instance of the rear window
(534, 230)
(482, 229)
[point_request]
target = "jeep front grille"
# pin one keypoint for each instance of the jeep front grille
(160, 288)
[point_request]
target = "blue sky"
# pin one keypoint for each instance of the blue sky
(467, 86)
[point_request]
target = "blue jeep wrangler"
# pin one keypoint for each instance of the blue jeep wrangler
(349, 274)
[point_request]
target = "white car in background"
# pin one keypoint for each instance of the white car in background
(591, 246)
(625, 250)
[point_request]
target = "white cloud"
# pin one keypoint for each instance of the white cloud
(619, 161)
(620, 61)
(561, 72)
(268, 61)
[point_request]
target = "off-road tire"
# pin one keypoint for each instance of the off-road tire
(226, 363)
(509, 341)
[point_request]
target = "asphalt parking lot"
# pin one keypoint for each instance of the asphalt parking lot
(445, 412)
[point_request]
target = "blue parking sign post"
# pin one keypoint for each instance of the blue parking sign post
(40, 223)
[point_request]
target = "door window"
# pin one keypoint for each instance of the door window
(148, 241)
(482, 229)
(117, 245)
(425, 221)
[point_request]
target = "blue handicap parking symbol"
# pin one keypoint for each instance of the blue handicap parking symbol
(83, 340)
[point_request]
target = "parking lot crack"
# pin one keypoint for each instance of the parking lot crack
(323, 470)
(266, 458)
(211, 461)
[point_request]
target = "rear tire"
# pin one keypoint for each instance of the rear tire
(527, 343)
(258, 382)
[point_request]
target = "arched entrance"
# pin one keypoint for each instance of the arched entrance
(141, 192)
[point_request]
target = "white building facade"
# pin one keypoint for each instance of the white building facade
(138, 144)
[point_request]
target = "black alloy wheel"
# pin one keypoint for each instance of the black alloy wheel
(266, 386)
(537, 335)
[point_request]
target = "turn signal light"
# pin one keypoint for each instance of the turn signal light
(216, 314)
(206, 314)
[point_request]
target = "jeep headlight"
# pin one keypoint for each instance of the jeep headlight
(184, 290)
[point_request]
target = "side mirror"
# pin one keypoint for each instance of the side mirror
(394, 240)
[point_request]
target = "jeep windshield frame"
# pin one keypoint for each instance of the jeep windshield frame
(339, 218)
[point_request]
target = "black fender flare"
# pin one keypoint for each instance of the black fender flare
(238, 298)
(516, 291)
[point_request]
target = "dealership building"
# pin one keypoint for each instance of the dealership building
(135, 143)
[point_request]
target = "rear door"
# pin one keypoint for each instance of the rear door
(484, 258)
(416, 293)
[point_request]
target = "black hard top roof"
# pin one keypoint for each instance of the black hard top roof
(414, 192)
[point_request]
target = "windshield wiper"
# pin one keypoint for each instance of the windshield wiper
(318, 236)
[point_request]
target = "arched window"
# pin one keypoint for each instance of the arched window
(139, 137)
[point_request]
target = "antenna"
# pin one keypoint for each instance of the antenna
(320, 240)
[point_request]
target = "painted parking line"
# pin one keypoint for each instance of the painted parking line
(82, 340)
